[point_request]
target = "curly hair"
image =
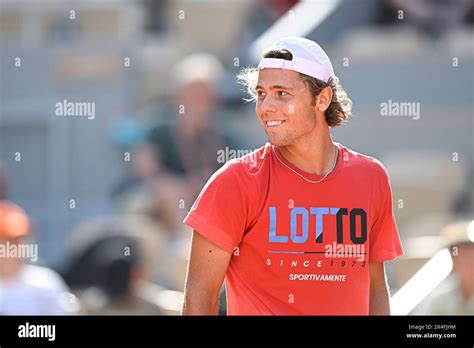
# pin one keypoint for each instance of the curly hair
(341, 105)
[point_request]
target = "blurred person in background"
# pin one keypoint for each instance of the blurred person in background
(108, 274)
(178, 155)
(186, 148)
(26, 289)
(132, 247)
(457, 294)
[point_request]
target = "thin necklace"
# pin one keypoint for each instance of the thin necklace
(308, 180)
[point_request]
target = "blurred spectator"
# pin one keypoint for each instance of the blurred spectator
(187, 147)
(457, 295)
(107, 274)
(178, 156)
(114, 260)
(26, 289)
(434, 17)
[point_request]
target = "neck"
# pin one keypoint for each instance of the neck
(314, 156)
(10, 269)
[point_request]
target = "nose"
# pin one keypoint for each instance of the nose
(266, 105)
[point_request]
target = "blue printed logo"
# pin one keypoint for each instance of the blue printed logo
(299, 233)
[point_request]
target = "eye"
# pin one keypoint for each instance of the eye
(282, 93)
(260, 94)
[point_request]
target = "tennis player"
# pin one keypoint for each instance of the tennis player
(302, 225)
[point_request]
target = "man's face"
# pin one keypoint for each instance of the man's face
(199, 101)
(284, 106)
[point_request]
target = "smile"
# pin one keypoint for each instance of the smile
(274, 123)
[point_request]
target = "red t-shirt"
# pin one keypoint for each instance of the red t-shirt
(298, 248)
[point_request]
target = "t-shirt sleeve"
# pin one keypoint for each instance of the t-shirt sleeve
(220, 211)
(384, 238)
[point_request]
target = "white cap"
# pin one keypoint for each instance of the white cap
(308, 58)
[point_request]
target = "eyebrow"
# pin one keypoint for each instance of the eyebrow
(275, 87)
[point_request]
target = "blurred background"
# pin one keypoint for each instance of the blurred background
(113, 114)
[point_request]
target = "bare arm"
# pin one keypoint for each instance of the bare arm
(206, 271)
(379, 296)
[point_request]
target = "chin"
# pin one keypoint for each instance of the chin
(278, 141)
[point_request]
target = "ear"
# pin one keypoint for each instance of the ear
(324, 99)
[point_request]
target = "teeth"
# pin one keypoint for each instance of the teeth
(274, 123)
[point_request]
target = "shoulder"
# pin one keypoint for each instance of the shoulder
(367, 165)
(246, 163)
(244, 172)
(42, 277)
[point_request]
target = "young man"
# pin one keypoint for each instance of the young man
(303, 225)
